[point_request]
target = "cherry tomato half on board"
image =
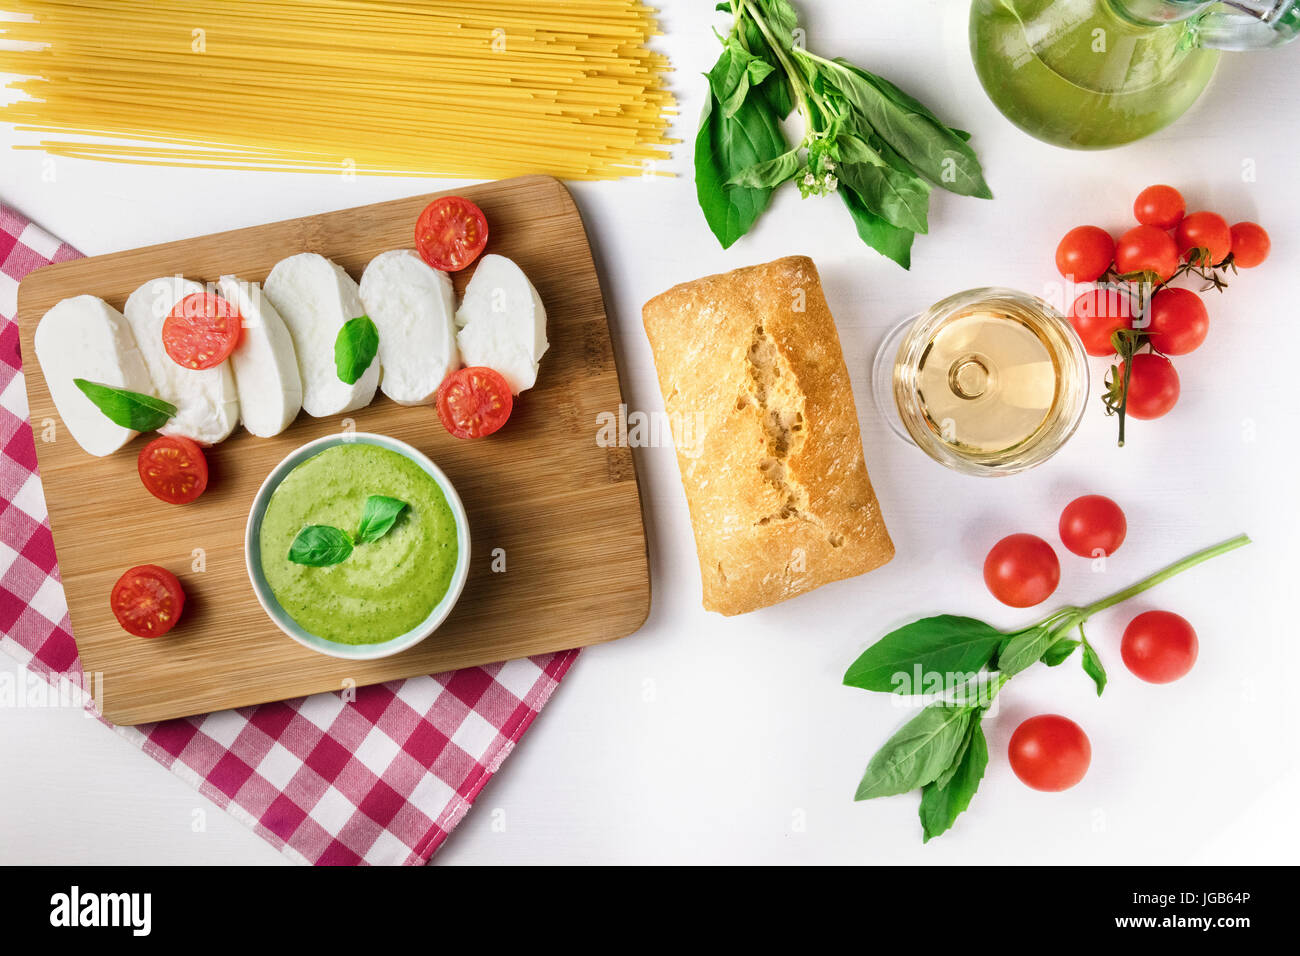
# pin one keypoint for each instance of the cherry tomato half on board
(451, 233)
(147, 601)
(1022, 570)
(1050, 752)
(173, 469)
(474, 402)
(1159, 646)
(201, 331)
(1093, 525)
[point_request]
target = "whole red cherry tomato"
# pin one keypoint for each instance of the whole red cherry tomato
(1153, 387)
(1159, 206)
(1250, 244)
(1050, 752)
(1178, 321)
(1022, 570)
(1093, 525)
(1097, 315)
(1159, 646)
(1146, 249)
(1085, 253)
(1204, 238)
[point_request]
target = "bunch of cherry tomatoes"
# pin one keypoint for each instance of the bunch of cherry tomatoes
(1134, 315)
(1049, 751)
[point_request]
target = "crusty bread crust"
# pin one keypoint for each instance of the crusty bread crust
(762, 412)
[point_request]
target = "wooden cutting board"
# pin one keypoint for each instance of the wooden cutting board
(559, 512)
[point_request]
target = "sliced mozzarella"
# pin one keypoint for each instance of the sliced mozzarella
(85, 337)
(412, 304)
(264, 363)
(207, 405)
(503, 322)
(315, 297)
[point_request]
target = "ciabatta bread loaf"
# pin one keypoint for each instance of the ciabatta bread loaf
(762, 412)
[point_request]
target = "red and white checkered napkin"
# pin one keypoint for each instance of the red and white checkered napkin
(382, 779)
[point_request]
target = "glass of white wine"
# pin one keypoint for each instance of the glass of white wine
(988, 382)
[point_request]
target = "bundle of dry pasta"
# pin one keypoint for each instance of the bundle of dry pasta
(458, 88)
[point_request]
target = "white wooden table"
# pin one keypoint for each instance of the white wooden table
(701, 739)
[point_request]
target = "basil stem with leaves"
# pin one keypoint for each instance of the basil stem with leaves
(942, 750)
(879, 148)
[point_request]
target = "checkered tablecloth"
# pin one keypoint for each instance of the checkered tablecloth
(382, 779)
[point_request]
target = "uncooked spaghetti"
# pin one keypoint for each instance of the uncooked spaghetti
(459, 88)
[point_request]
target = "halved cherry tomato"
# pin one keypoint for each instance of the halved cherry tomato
(1097, 315)
(1207, 232)
(474, 402)
(173, 469)
(201, 331)
(1250, 244)
(1178, 321)
(1085, 253)
(451, 233)
(1146, 249)
(1050, 752)
(147, 601)
(1159, 206)
(1022, 570)
(1153, 387)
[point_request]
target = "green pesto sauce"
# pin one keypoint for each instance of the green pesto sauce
(386, 587)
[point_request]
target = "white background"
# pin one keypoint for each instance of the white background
(703, 739)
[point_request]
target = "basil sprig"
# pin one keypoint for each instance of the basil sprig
(942, 750)
(879, 148)
(355, 348)
(323, 545)
(381, 513)
(133, 410)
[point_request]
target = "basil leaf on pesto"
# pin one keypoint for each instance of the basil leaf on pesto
(133, 410)
(355, 348)
(319, 546)
(380, 515)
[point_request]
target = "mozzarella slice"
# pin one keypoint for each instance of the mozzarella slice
(207, 405)
(503, 322)
(85, 337)
(315, 297)
(264, 362)
(412, 304)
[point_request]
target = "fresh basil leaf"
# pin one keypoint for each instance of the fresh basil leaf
(899, 198)
(133, 410)
(918, 753)
(930, 147)
(781, 19)
(1026, 649)
(378, 518)
(775, 90)
(946, 645)
(770, 174)
(1093, 667)
(884, 237)
(355, 348)
(725, 147)
(948, 796)
(1059, 652)
(319, 546)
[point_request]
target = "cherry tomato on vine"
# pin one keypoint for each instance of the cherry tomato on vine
(1093, 525)
(1159, 206)
(1178, 321)
(1146, 249)
(1204, 231)
(1153, 388)
(1097, 315)
(1022, 570)
(1159, 646)
(1085, 253)
(1049, 752)
(1250, 244)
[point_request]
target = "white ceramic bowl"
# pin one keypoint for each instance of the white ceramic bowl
(253, 552)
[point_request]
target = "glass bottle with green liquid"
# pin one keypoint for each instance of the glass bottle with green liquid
(1091, 74)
